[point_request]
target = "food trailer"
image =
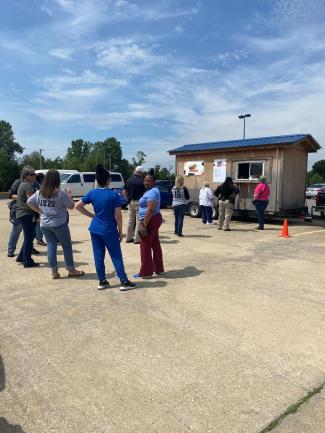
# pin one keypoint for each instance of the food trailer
(281, 159)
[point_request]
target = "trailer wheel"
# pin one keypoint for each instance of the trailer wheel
(194, 210)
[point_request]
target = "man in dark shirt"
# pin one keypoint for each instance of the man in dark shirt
(133, 190)
(226, 193)
(16, 226)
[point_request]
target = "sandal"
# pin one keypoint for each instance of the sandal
(75, 273)
(55, 275)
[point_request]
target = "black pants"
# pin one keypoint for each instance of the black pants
(25, 254)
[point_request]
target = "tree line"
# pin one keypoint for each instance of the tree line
(81, 155)
(317, 173)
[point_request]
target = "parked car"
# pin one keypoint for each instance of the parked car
(166, 196)
(313, 190)
(124, 201)
(167, 183)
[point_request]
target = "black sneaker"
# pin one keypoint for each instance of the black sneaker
(103, 285)
(10, 255)
(31, 265)
(130, 241)
(35, 252)
(128, 285)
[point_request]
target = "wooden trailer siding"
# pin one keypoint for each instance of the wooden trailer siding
(294, 177)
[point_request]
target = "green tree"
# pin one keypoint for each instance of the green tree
(164, 173)
(126, 169)
(140, 158)
(7, 140)
(109, 153)
(319, 168)
(313, 177)
(9, 168)
(32, 159)
(77, 154)
(54, 163)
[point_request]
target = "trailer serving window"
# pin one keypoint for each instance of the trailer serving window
(250, 170)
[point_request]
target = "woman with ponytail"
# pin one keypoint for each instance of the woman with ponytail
(105, 228)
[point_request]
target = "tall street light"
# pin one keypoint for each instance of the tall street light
(243, 116)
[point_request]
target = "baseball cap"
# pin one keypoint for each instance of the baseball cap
(139, 168)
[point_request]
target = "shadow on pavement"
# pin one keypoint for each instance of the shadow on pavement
(149, 284)
(187, 272)
(197, 236)
(93, 276)
(5, 426)
(175, 241)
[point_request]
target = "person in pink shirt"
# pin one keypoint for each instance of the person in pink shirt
(261, 200)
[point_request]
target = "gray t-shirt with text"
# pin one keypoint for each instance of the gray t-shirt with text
(54, 209)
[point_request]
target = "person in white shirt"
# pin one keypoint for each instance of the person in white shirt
(206, 201)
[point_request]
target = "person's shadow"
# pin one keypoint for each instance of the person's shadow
(5, 426)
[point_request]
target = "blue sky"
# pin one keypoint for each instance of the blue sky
(160, 74)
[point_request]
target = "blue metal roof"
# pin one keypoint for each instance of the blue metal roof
(248, 142)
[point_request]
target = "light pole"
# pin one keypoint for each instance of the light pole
(243, 116)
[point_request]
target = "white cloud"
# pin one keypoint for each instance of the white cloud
(128, 57)
(61, 53)
(90, 92)
(84, 16)
(292, 12)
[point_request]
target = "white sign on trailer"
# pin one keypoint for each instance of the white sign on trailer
(219, 170)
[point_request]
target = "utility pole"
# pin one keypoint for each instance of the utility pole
(40, 158)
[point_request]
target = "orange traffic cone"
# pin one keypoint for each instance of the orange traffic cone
(285, 230)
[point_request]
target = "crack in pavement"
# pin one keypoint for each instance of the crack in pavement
(293, 408)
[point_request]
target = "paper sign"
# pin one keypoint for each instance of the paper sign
(219, 170)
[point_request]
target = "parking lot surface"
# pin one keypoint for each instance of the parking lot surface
(225, 341)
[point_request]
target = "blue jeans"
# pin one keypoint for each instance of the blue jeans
(38, 234)
(260, 206)
(14, 236)
(52, 236)
(206, 214)
(179, 212)
(110, 241)
(25, 254)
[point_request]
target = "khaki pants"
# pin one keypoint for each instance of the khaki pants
(132, 230)
(225, 213)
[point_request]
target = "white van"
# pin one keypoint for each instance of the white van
(81, 182)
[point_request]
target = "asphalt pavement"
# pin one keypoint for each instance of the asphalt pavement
(229, 340)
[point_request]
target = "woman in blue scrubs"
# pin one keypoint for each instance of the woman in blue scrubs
(105, 228)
